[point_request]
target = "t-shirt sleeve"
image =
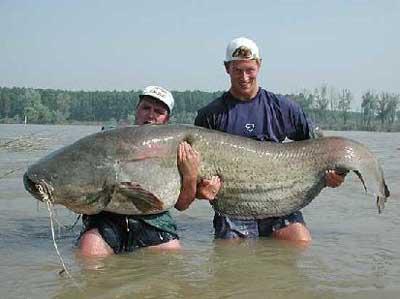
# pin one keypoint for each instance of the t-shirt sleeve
(200, 119)
(203, 120)
(298, 126)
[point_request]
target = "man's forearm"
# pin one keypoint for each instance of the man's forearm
(187, 194)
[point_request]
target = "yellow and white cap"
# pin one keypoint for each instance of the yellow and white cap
(161, 94)
(241, 48)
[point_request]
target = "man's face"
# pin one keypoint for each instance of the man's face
(243, 74)
(151, 111)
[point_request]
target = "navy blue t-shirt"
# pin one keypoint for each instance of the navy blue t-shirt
(265, 117)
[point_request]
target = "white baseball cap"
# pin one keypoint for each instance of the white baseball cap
(161, 94)
(241, 48)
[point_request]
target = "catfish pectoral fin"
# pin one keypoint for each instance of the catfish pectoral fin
(144, 200)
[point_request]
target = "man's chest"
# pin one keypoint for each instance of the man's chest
(246, 120)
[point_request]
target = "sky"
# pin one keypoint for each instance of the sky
(127, 45)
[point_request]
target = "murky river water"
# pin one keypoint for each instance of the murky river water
(355, 252)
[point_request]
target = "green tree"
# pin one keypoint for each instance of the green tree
(368, 108)
(305, 100)
(333, 99)
(34, 110)
(63, 105)
(344, 104)
(5, 104)
(321, 102)
(392, 108)
(382, 107)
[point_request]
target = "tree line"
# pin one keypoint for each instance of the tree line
(330, 108)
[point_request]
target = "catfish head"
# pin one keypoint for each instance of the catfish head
(38, 187)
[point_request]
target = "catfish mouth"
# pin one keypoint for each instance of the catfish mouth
(39, 189)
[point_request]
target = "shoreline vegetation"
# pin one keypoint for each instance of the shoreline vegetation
(328, 107)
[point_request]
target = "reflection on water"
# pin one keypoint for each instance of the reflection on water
(354, 253)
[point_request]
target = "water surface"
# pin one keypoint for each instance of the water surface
(354, 253)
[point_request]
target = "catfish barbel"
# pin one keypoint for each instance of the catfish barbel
(133, 170)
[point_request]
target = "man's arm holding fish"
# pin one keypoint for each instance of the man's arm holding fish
(333, 178)
(188, 161)
(306, 129)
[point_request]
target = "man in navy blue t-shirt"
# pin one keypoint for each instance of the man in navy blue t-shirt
(248, 110)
